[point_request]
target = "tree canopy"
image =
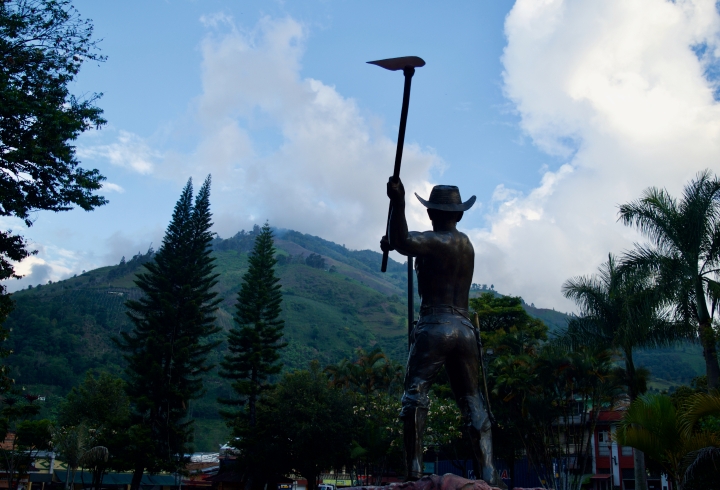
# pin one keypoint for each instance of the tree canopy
(621, 309)
(254, 340)
(684, 253)
(168, 348)
(303, 426)
(43, 44)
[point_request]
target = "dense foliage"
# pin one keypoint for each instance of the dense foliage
(65, 332)
(672, 436)
(96, 413)
(373, 382)
(544, 394)
(91, 430)
(43, 43)
(302, 427)
(173, 321)
(372, 371)
(253, 344)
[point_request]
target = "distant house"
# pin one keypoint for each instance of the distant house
(613, 464)
(8, 444)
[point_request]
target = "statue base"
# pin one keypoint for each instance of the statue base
(448, 481)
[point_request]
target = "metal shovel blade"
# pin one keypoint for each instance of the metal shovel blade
(395, 64)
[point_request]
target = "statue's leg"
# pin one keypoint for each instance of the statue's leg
(413, 428)
(479, 433)
(462, 367)
(424, 361)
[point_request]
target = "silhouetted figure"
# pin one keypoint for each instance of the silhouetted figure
(444, 334)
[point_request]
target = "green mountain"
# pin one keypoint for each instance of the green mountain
(334, 301)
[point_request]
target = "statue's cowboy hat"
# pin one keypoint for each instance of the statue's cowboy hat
(446, 198)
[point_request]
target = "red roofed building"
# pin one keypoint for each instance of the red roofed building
(613, 464)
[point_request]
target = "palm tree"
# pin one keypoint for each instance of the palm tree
(701, 461)
(621, 310)
(70, 443)
(372, 371)
(698, 406)
(74, 445)
(668, 435)
(340, 374)
(376, 371)
(95, 459)
(685, 237)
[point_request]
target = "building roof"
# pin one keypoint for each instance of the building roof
(8, 443)
(610, 415)
(40, 477)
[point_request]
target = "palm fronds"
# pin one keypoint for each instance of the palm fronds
(696, 407)
(683, 255)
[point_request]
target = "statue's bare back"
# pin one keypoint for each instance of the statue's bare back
(452, 257)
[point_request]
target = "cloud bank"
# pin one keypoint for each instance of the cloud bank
(284, 148)
(620, 91)
(327, 175)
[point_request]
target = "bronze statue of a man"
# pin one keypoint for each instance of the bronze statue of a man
(444, 334)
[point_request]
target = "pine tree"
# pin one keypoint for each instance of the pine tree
(254, 342)
(168, 347)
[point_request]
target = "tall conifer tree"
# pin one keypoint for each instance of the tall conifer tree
(254, 341)
(168, 347)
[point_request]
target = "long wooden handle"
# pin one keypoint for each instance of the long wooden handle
(481, 359)
(383, 267)
(411, 301)
(408, 71)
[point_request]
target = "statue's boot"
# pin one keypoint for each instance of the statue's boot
(483, 450)
(413, 428)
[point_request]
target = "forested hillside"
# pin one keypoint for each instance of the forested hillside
(334, 301)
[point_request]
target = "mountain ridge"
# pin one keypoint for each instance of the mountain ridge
(335, 300)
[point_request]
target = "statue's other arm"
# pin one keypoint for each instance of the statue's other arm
(399, 238)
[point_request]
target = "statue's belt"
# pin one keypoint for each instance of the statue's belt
(442, 309)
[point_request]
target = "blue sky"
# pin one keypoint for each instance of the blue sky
(552, 113)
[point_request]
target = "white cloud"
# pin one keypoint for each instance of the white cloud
(615, 89)
(327, 170)
(49, 264)
(216, 20)
(129, 151)
(52, 263)
(119, 244)
(109, 186)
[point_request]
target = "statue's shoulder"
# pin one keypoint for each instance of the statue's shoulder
(466, 240)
